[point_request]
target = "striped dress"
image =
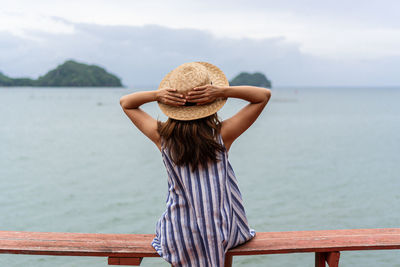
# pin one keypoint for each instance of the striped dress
(204, 216)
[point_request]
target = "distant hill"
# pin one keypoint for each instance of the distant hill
(255, 79)
(7, 81)
(70, 73)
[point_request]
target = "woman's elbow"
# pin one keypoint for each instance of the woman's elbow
(122, 101)
(267, 95)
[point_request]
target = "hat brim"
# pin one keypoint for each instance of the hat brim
(185, 113)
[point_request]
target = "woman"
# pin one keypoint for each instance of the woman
(204, 215)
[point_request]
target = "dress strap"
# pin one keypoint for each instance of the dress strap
(220, 139)
(162, 143)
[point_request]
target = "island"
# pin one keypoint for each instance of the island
(255, 79)
(68, 74)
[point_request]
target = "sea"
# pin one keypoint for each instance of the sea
(318, 158)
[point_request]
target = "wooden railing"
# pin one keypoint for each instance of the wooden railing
(130, 249)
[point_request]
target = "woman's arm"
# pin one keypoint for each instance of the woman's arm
(233, 127)
(143, 121)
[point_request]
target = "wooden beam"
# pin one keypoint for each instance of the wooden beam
(333, 258)
(124, 261)
(320, 259)
(228, 261)
(129, 249)
(319, 241)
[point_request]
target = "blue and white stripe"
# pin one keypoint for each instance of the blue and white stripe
(204, 216)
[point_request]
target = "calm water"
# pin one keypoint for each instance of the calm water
(70, 161)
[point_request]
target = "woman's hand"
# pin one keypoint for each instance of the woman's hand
(169, 96)
(204, 94)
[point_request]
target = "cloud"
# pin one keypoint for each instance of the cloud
(336, 29)
(142, 55)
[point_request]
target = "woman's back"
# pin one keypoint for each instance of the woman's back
(204, 216)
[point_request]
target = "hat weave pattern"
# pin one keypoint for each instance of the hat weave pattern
(186, 77)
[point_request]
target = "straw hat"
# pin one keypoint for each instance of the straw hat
(186, 77)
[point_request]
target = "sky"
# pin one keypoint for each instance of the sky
(295, 43)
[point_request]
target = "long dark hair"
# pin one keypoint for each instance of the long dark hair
(192, 142)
